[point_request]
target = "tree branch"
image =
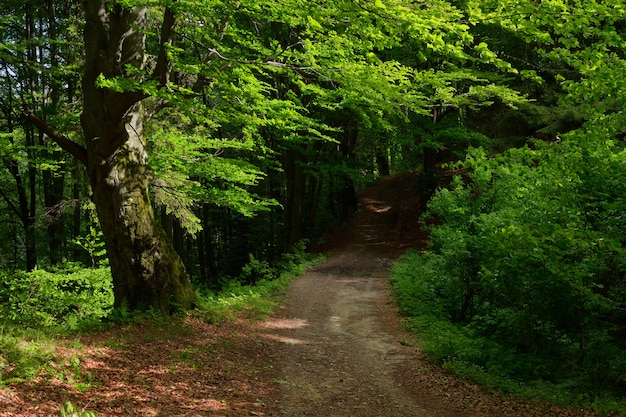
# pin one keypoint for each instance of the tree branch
(76, 150)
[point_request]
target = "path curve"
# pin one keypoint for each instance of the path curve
(341, 343)
(338, 349)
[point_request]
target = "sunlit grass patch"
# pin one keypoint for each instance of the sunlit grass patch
(251, 301)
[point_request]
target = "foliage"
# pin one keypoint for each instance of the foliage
(281, 110)
(28, 353)
(523, 280)
(70, 410)
(28, 348)
(254, 109)
(92, 241)
(66, 298)
(255, 299)
(526, 263)
(23, 356)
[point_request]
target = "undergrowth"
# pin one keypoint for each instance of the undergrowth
(254, 300)
(65, 299)
(70, 410)
(42, 311)
(522, 284)
(465, 351)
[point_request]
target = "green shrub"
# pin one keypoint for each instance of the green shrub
(255, 300)
(66, 298)
(524, 274)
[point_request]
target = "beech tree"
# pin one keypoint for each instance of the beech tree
(146, 270)
(526, 258)
(37, 51)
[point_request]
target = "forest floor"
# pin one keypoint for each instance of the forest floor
(335, 348)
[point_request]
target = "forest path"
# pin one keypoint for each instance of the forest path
(341, 343)
(338, 348)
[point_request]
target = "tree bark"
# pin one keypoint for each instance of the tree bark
(348, 198)
(294, 198)
(382, 160)
(147, 271)
(53, 188)
(21, 207)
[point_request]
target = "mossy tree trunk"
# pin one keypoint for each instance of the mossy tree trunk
(147, 271)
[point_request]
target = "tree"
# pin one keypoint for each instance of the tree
(35, 62)
(526, 247)
(146, 270)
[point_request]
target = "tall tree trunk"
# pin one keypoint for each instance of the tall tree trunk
(53, 182)
(430, 157)
(77, 172)
(28, 207)
(428, 178)
(26, 215)
(147, 271)
(53, 188)
(294, 198)
(348, 201)
(206, 249)
(314, 191)
(382, 160)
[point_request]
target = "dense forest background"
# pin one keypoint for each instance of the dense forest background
(273, 117)
(207, 139)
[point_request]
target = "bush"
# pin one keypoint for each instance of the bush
(66, 298)
(259, 299)
(525, 272)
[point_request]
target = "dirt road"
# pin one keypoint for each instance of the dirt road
(341, 344)
(340, 350)
(343, 353)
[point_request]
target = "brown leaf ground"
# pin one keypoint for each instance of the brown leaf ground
(334, 349)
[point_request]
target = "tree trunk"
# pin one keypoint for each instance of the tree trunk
(294, 198)
(382, 161)
(21, 207)
(53, 183)
(147, 271)
(348, 199)
(53, 192)
(430, 157)
(206, 250)
(429, 174)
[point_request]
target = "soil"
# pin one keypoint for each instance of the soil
(335, 348)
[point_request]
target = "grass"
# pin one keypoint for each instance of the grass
(29, 351)
(251, 301)
(27, 354)
(24, 354)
